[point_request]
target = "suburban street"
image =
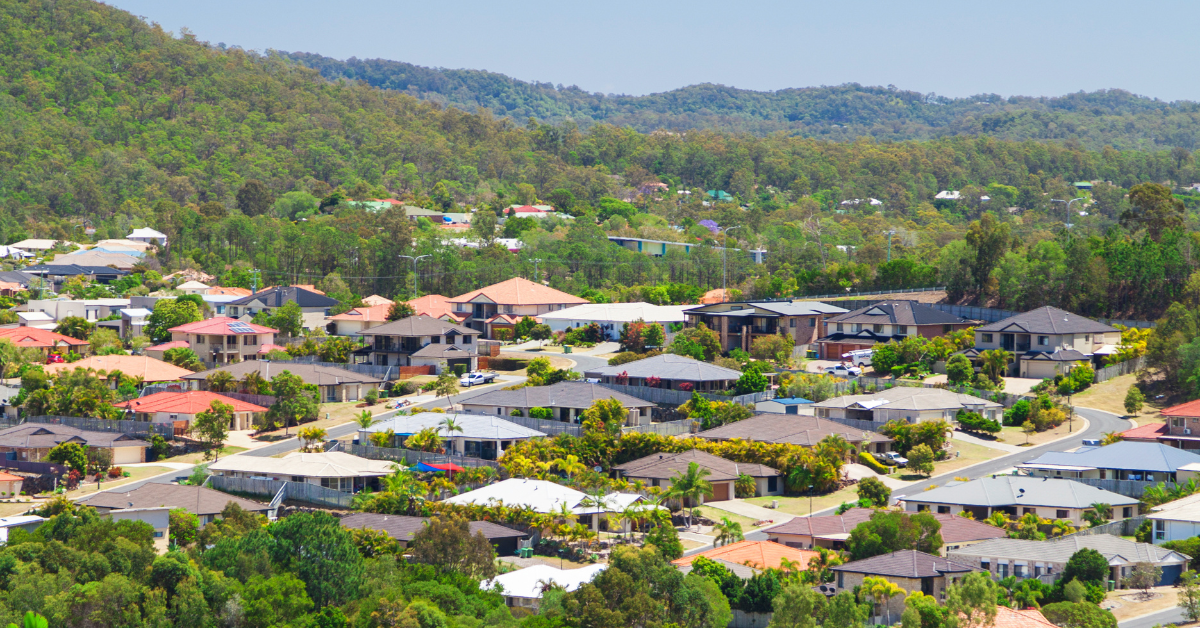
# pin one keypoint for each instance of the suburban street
(1161, 618)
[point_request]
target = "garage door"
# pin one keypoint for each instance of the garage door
(1171, 573)
(1039, 370)
(126, 455)
(720, 492)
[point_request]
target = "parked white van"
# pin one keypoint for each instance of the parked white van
(860, 357)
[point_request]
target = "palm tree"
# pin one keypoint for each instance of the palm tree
(998, 519)
(995, 363)
(881, 591)
(571, 465)
(728, 532)
(1062, 527)
(691, 487)
(1099, 513)
(364, 419)
(310, 436)
(450, 425)
(253, 382)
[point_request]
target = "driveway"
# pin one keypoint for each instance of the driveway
(746, 509)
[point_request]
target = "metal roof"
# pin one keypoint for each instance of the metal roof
(669, 366)
(1125, 455)
(560, 395)
(1020, 490)
(1115, 549)
(474, 426)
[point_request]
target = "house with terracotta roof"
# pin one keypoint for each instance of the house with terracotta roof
(1012, 618)
(662, 468)
(228, 292)
(150, 370)
(180, 408)
(758, 555)
(1182, 426)
(157, 351)
(912, 570)
(44, 339)
(437, 306)
(1148, 433)
(831, 531)
(223, 339)
(359, 319)
(375, 299)
(502, 305)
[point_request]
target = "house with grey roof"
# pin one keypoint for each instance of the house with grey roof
(661, 468)
(335, 384)
(831, 531)
(1019, 495)
(739, 323)
(422, 341)
(675, 372)
(796, 429)
(478, 436)
(206, 503)
(882, 323)
(1124, 460)
(912, 570)
(566, 401)
(32, 442)
(1047, 559)
(403, 528)
(1065, 338)
(314, 307)
(906, 403)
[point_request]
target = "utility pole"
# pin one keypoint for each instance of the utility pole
(254, 281)
(537, 275)
(890, 233)
(725, 263)
(1068, 216)
(416, 278)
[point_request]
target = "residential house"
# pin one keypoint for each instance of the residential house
(10, 485)
(119, 261)
(314, 306)
(785, 405)
(757, 555)
(502, 305)
(402, 529)
(1177, 520)
(524, 588)
(8, 252)
(47, 341)
(375, 299)
(565, 400)
(358, 319)
(910, 569)
(1047, 341)
(39, 246)
(831, 531)
(28, 523)
(229, 292)
(612, 317)
(157, 351)
(32, 441)
(1182, 428)
(675, 372)
(223, 340)
(57, 274)
(437, 306)
(422, 341)
(478, 436)
(149, 236)
(335, 384)
(126, 243)
(133, 321)
(1047, 559)
(881, 323)
(790, 429)
(548, 497)
(333, 470)
(1124, 460)
(88, 309)
(206, 503)
(180, 408)
(193, 287)
(1017, 496)
(158, 518)
(738, 324)
(149, 370)
(906, 403)
(659, 248)
(662, 468)
(38, 320)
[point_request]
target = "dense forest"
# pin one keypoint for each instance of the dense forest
(248, 162)
(1105, 118)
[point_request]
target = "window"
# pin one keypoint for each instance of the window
(772, 484)
(1027, 510)
(839, 327)
(1127, 512)
(1043, 341)
(812, 322)
(947, 329)
(466, 340)
(437, 340)
(1061, 514)
(1177, 422)
(792, 323)
(460, 307)
(249, 340)
(1087, 337)
(1003, 568)
(158, 534)
(902, 330)
(922, 507)
(1160, 530)
(857, 327)
(878, 328)
(508, 309)
(735, 308)
(985, 565)
(987, 339)
(943, 510)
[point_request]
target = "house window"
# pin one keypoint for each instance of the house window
(249, 340)
(1087, 337)
(1160, 530)
(985, 565)
(508, 309)
(878, 328)
(839, 327)
(1177, 422)
(199, 340)
(1027, 510)
(987, 339)
(460, 307)
(1127, 512)
(902, 330)
(1061, 514)
(943, 510)
(437, 340)
(466, 340)
(772, 484)
(792, 323)
(1043, 341)
(158, 534)
(1003, 567)
(812, 322)
(857, 327)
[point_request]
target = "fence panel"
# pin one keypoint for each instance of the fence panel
(412, 456)
(550, 428)
(1128, 488)
(669, 428)
(33, 467)
(1120, 368)
(1125, 527)
(132, 428)
(297, 491)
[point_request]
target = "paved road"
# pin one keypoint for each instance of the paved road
(1169, 616)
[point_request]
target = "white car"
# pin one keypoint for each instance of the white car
(475, 379)
(843, 370)
(894, 458)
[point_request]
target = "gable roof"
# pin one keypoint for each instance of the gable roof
(955, 529)
(197, 500)
(781, 308)
(905, 564)
(40, 338)
(189, 402)
(375, 299)
(192, 285)
(899, 313)
(1021, 490)
(792, 429)
(403, 528)
(756, 554)
(1149, 431)
(434, 305)
(1011, 618)
(310, 373)
(621, 312)
(541, 496)
(368, 314)
(332, 464)
(144, 366)
(72, 269)
(220, 326)
(909, 398)
(146, 232)
(669, 366)
(1114, 548)
(561, 395)
(1048, 320)
(226, 291)
(418, 326)
(665, 466)
(1189, 409)
(279, 295)
(473, 425)
(519, 291)
(95, 258)
(47, 435)
(1129, 455)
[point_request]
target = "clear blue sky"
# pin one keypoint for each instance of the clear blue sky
(954, 48)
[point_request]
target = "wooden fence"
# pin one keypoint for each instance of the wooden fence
(296, 491)
(409, 372)
(412, 457)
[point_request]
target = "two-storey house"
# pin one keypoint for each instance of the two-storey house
(422, 341)
(314, 306)
(223, 340)
(1046, 341)
(739, 323)
(503, 305)
(882, 323)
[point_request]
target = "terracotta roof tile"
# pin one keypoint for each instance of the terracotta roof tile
(219, 326)
(757, 554)
(1191, 408)
(144, 366)
(1009, 618)
(174, 344)
(520, 291)
(1149, 431)
(369, 314)
(191, 402)
(434, 305)
(34, 337)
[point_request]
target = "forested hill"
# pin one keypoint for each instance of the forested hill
(1111, 117)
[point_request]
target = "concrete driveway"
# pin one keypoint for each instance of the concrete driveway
(746, 509)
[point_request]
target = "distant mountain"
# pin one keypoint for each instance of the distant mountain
(844, 112)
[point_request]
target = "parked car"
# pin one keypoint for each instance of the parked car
(1091, 442)
(54, 358)
(843, 371)
(476, 378)
(892, 458)
(861, 357)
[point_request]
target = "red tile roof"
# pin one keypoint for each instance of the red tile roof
(371, 314)
(526, 209)
(144, 366)
(434, 305)
(1191, 408)
(174, 344)
(1009, 618)
(219, 326)
(40, 338)
(8, 477)
(756, 554)
(267, 348)
(191, 402)
(1149, 431)
(521, 291)
(229, 292)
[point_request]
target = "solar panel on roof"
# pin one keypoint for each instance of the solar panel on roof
(240, 328)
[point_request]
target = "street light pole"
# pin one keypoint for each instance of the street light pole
(810, 500)
(1068, 208)
(725, 262)
(890, 233)
(416, 279)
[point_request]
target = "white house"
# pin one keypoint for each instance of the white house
(612, 316)
(1177, 520)
(524, 587)
(149, 236)
(334, 470)
(481, 435)
(547, 497)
